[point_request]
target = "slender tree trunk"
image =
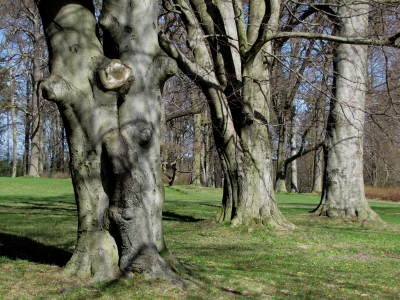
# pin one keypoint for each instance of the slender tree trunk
(343, 194)
(319, 116)
(114, 134)
(293, 145)
(208, 157)
(27, 126)
(15, 139)
(52, 146)
(319, 152)
(14, 127)
(197, 150)
(280, 182)
(42, 139)
(318, 171)
(35, 133)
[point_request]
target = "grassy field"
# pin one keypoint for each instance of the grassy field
(322, 259)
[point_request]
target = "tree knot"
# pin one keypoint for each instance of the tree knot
(115, 75)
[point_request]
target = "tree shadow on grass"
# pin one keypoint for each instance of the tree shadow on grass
(18, 247)
(171, 216)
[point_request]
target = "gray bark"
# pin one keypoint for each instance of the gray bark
(27, 125)
(319, 116)
(13, 112)
(197, 150)
(110, 103)
(280, 183)
(318, 171)
(239, 118)
(14, 132)
(343, 194)
(293, 145)
(319, 153)
(208, 161)
(35, 143)
(285, 107)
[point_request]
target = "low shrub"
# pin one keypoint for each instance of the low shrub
(391, 194)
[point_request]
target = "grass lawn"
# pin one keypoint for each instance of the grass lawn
(322, 259)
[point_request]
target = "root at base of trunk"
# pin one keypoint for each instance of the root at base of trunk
(360, 214)
(95, 257)
(149, 263)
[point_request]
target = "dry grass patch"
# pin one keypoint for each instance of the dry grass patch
(391, 194)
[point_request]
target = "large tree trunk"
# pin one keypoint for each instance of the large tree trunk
(343, 194)
(111, 107)
(239, 119)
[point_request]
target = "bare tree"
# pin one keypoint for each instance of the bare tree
(231, 65)
(343, 194)
(110, 100)
(229, 52)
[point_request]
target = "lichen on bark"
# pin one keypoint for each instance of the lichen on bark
(343, 194)
(109, 97)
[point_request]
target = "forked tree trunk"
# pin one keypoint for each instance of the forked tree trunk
(343, 194)
(111, 106)
(239, 119)
(248, 191)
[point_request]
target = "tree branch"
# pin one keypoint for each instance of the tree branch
(390, 42)
(184, 113)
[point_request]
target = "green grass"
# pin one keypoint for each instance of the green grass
(322, 259)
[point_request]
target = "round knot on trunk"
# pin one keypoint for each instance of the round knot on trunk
(115, 75)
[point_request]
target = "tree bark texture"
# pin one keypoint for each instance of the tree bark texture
(343, 194)
(293, 145)
(35, 133)
(13, 112)
(235, 80)
(280, 182)
(197, 150)
(318, 171)
(320, 126)
(110, 103)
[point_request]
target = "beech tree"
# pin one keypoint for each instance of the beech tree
(107, 85)
(284, 103)
(343, 194)
(229, 52)
(229, 61)
(109, 98)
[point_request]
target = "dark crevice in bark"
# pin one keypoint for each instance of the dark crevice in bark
(112, 133)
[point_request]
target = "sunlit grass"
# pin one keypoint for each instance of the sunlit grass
(323, 259)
